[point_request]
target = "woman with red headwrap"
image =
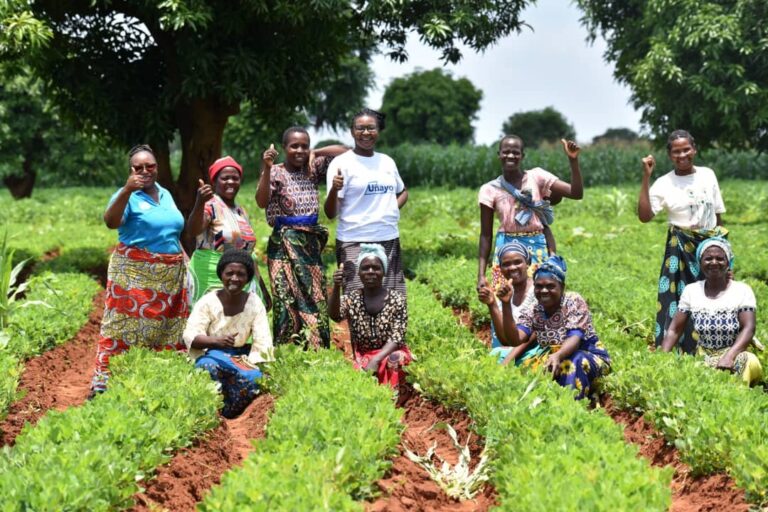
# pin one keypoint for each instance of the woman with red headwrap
(220, 224)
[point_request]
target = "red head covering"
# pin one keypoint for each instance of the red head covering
(221, 163)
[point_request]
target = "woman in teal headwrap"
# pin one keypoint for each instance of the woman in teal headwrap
(563, 327)
(514, 260)
(722, 312)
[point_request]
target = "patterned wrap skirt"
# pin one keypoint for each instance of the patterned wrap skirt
(678, 270)
(501, 352)
(145, 305)
(347, 253)
(239, 382)
(580, 370)
(390, 370)
(300, 308)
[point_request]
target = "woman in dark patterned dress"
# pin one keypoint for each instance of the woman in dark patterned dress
(563, 327)
(288, 191)
(377, 316)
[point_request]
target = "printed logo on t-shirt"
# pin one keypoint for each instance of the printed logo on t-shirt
(145, 205)
(374, 188)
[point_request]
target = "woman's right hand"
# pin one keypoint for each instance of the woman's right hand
(135, 182)
(204, 191)
(338, 181)
(482, 282)
(504, 293)
(649, 162)
(269, 156)
(485, 295)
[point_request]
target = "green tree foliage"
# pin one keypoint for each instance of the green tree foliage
(613, 135)
(430, 106)
(139, 70)
(537, 126)
(38, 147)
(699, 65)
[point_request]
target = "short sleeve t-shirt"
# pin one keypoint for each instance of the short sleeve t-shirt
(149, 225)
(537, 180)
(717, 320)
(691, 202)
(368, 209)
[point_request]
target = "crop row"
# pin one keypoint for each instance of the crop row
(713, 420)
(549, 451)
(471, 166)
(94, 457)
(55, 308)
(329, 438)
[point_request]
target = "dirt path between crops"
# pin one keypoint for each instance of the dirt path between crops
(184, 481)
(406, 486)
(700, 494)
(57, 379)
(703, 493)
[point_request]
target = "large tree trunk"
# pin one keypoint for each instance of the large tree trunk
(201, 126)
(20, 186)
(163, 157)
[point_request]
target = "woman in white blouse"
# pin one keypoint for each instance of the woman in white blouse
(723, 313)
(221, 323)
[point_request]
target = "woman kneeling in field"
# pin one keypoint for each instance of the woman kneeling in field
(378, 318)
(514, 260)
(563, 327)
(219, 326)
(723, 314)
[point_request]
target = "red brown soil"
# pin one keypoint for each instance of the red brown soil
(689, 494)
(183, 482)
(57, 379)
(407, 486)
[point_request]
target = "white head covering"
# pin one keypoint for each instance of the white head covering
(374, 250)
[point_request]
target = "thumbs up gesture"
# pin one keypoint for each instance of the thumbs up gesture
(338, 181)
(269, 156)
(204, 191)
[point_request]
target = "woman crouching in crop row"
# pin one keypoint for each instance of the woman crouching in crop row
(563, 327)
(219, 326)
(378, 318)
(723, 314)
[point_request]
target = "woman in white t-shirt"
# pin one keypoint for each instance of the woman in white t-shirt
(691, 197)
(723, 313)
(366, 192)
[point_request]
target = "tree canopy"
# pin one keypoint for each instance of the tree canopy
(697, 65)
(616, 135)
(430, 106)
(141, 70)
(537, 126)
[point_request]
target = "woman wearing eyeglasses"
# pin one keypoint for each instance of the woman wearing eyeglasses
(366, 192)
(146, 302)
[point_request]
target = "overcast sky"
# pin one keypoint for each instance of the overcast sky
(550, 65)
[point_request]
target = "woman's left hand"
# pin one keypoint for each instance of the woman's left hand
(372, 366)
(571, 148)
(725, 362)
(553, 364)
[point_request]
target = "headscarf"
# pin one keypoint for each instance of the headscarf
(554, 267)
(375, 250)
(236, 256)
(220, 164)
(715, 241)
(516, 247)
